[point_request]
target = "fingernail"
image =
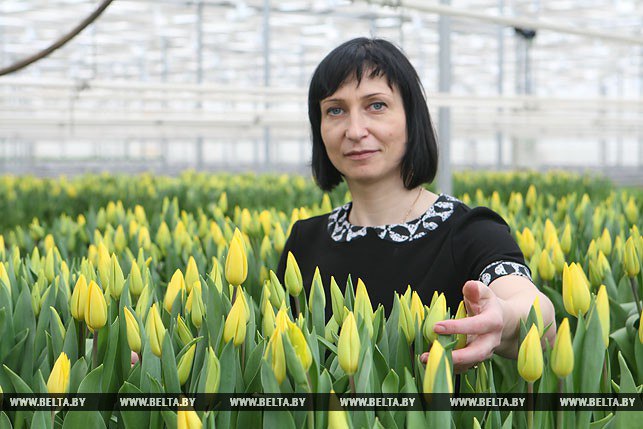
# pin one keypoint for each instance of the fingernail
(439, 329)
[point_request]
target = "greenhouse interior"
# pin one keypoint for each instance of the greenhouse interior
(183, 246)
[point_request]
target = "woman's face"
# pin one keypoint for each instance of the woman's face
(364, 130)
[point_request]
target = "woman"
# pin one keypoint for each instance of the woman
(371, 127)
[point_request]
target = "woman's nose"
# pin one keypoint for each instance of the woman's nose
(356, 129)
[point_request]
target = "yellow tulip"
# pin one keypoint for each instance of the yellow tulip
(436, 357)
(566, 239)
(576, 296)
(174, 287)
(363, 307)
(197, 309)
(236, 264)
(349, 345)
(605, 242)
(213, 374)
(277, 355)
(95, 307)
(104, 262)
(631, 211)
(630, 259)
(278, 238)
(417, 308)
(337, 301)
(562, 355)
(461, 314)
(527, 242)
(437, 312)
(79, 299)
(120, 241)
(184, 366)
(317, 287)
(292, 277)
(4, 277)
(135, 279)
(133, 331)
(300, 345)
(235, 324)
(188, 419)
(558, 258)
(268, 319)
(58, 381)
(185, 336)
(163, 237)
(155, 330)
(191, 274)
(337, 419)
(546, 269)
(143, 303)
(266, 248)
(603, 310)
(530, 356)
(531, 197)
(116, 278)
(407, 322)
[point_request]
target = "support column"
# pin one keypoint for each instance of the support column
(445, 180)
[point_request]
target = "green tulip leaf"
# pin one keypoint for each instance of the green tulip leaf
(133, 419)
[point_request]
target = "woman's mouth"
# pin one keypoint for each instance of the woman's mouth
(360, 154)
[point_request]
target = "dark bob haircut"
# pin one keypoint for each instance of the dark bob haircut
(377, 57)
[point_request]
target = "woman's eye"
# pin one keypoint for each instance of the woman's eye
(378, 106)
(334, 111)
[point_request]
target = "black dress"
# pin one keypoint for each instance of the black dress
(439, 251)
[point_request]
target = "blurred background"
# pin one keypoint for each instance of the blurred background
(169, 85)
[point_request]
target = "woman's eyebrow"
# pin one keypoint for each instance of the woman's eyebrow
(374, 94)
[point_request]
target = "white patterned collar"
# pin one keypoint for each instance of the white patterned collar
(341, 230)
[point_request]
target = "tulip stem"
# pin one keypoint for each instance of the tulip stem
(351, 380)
(243, 356)
(530, 406)
(80, 329)
(234, 295)
(95, 350)
(635, 288)
(53, 418)
(296, 315)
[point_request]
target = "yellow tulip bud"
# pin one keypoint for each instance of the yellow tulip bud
(58, 381)
(266, 248)
(268, 320)
(163, 237)
(198, 308)
(317, 287)
(631, 259)
(461, 314)
(185, 336)
(407, 322)
(213, 374)
(135, 280)
(155, 330)
(95, 307)
(133, 331)
(603, 310)
(191, 274)
(437, 356)
(566, 239)
(235, 323)
(236, 264)
(49, 265)
(417, 308)
(188, 419)
(275, 348)
(437, 312)
(292, 277)
(79, 299)
(143, 303)
(116, 278)
(278, 238)
(104, 262)
(337, 419)
(337, 301)
(298, 341)
(530, 356)
(36, 298)
(363, 307)
(546, 269)
(4, 278)
(120, 241)
(3, 253)
(605, 242)
(531, 197)
(562, 355)
(348, 346)
(558, 258)
(631, 211)
(174, 287)
(576, 296)
(184, 366)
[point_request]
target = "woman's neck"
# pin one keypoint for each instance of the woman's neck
(387, 204)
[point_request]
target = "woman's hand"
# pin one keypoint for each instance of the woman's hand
(483, 326)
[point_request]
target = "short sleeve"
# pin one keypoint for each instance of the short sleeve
(484, 249)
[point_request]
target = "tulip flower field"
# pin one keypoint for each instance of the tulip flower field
(181, 271)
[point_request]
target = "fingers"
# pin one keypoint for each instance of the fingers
(477, 351)
(475, 325)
